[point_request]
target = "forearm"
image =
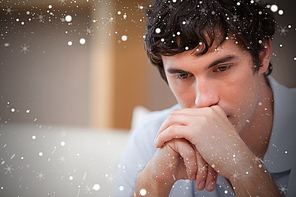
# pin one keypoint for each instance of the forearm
(255, 181)
(148, 186)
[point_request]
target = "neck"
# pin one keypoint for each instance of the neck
(257, 134)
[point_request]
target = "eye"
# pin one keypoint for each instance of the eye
(221, 68)
(182, 76)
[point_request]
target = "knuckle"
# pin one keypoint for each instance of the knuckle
(172, 129)
(174, 112)
(203, 169)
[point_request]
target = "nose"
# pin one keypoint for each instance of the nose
(206, 94)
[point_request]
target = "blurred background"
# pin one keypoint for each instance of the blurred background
(71, 74)
(82, 63)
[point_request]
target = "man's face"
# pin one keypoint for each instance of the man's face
(224, 76)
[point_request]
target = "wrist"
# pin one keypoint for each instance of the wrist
(251, 179)
(148, 183)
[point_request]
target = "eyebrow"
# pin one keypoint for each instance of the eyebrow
(174, 71)
(216, 62)
(222, 60)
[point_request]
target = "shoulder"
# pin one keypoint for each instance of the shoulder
(150, 124)
(280, 91)
(156, 118)
(282, 139)
(139, 150)
(143, 134)
(284, 99)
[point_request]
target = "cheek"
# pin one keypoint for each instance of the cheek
(184, 95)
(245, 96)
(239, 91)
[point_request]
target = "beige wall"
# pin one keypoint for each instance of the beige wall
(118, 65)
(49, 82)
(94, 84)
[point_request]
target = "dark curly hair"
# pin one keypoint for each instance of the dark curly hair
(174, 26)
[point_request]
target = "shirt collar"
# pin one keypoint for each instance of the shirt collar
(280, 155)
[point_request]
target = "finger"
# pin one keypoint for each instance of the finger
(218, 109)
(173, 132)
(187, 116)
(181, 117)
(191, 111)
(174, 118)
(187, 152)
(185, 112)
(202, 172)
(211, 179)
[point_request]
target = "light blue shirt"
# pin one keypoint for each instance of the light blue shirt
(279, 160)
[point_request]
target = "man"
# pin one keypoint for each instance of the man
(231, 134)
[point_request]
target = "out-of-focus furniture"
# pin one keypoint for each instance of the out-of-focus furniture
(38, 160)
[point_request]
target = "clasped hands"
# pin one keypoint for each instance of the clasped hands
(196, 144)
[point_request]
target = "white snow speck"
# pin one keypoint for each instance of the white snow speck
(283, 189)
(281, 12)
(25, 49)
(157, 30)
(143, 192)
(68, 18)
(274, 8)
(82, 41)
(40, 175)
(8, 169)
(121, 188)
(96, 187)
(124, 38)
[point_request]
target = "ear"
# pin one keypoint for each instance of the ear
(265, 56)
